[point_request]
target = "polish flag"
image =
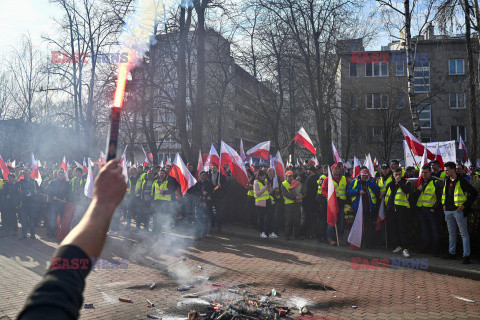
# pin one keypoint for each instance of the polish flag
(369, 165)
(355, 236)
(356, 167)
(423, 163)
(260, 151)
(252, 167)
(298, 163)
(102, 158)
(35, 174)
(181, 174)
(199, 163)
(148, 159)
(64, 164)
(14, 164)
(375, 161)
(78, 164)
(212, 158)
(168, 162)
(279, 166)
(381, 216)
(416, 146)
(242, 151)
(88, 190)
(302, 138)
(84, 166)
(332, 204)
(231, 157)
(438, 156)
(335, 154)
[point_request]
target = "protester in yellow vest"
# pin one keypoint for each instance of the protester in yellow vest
(293, 192)
(394, 165)
(277, 199)
(162, 191)
(429, 204)
(385, 177)
(398, 211)
(457, 198)
(263, 203)
(437, 172)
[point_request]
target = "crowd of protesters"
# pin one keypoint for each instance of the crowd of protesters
(294, 208)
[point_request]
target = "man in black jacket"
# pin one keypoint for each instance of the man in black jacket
(58, 191)
(28, 188)
(310, 204)
(11, 200)
(201, 194)
(457, 198)
(219, 198)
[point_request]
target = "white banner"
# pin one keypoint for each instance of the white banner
(447, 150)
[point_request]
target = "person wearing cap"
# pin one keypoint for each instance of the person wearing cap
(437, 172)
(365, 188)
(429, 205)
(264, 204)
(340, 182)
(398, 211)
(293, 192)
(310, 204)
(385, 177)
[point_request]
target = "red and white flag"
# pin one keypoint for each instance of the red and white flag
(375, 161)
(88, 190)
(35, 174)
(416, 146)
(14, 164)
(212, 158)
(422, 164)
(102, 158)
(78, 165)
(168, 162)
(332, 204)
(335, 154)
(381, 216)
(252, 167)
(4, 168)
(356, 167)
(438, 156)
(199, 163)
(369, 164)
(260, 151)
(355, 236)
(242, 151)
(230, 156)
(303, 138)
(148, 158)
(64, 164)
(181, 174)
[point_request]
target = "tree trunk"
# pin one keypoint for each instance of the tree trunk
(410, 73)
(473, 103)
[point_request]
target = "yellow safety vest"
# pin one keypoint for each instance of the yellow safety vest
(372, 194)
(265, 195)
(287, 186)
(320, 182)
(428, 197)
(139, 185)
(341, 188)
(401, 198)
(459, 197)
(382, 184)
(1, 184)
(158, 187)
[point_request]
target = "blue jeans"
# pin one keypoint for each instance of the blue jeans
(202, 221)
(451, 217)
(428, 221)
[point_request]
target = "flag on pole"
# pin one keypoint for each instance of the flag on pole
(88, 190)
(242, 151)
(302, 138)
(260, 151)
(423, 163)
(356, 167)
(369, 165)
(14, 164)
(355, 236)
(148, 160)
(84, 166)
(381, 216)
(78, 165)
(181, 174)
(332, 204)
(375, 161)
(335, 154)
(314, 161)
(199, 164)
(415, 146)
(229, 156)
(212, 158)
(63, 165)
(438, 157)
(35, 174)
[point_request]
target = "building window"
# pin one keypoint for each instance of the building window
(376, 101)
(456, 67)
(425, 115)
(421, 76)
(354, 101)
(457, 131)
(457, 101)
(374, 134)
(400, 68)
(166, 116)
(400, 100)
(376, 69)
(353, 69)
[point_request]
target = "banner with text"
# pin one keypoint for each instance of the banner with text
(447, 150)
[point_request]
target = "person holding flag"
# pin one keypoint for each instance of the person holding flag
(293, 192)
(398, 211)
(429, 204)
(365, 188)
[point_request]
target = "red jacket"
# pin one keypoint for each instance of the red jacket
(325, 185)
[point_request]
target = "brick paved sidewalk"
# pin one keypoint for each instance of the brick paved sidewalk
(435, 264)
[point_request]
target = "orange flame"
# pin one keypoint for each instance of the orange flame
(123, 70)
